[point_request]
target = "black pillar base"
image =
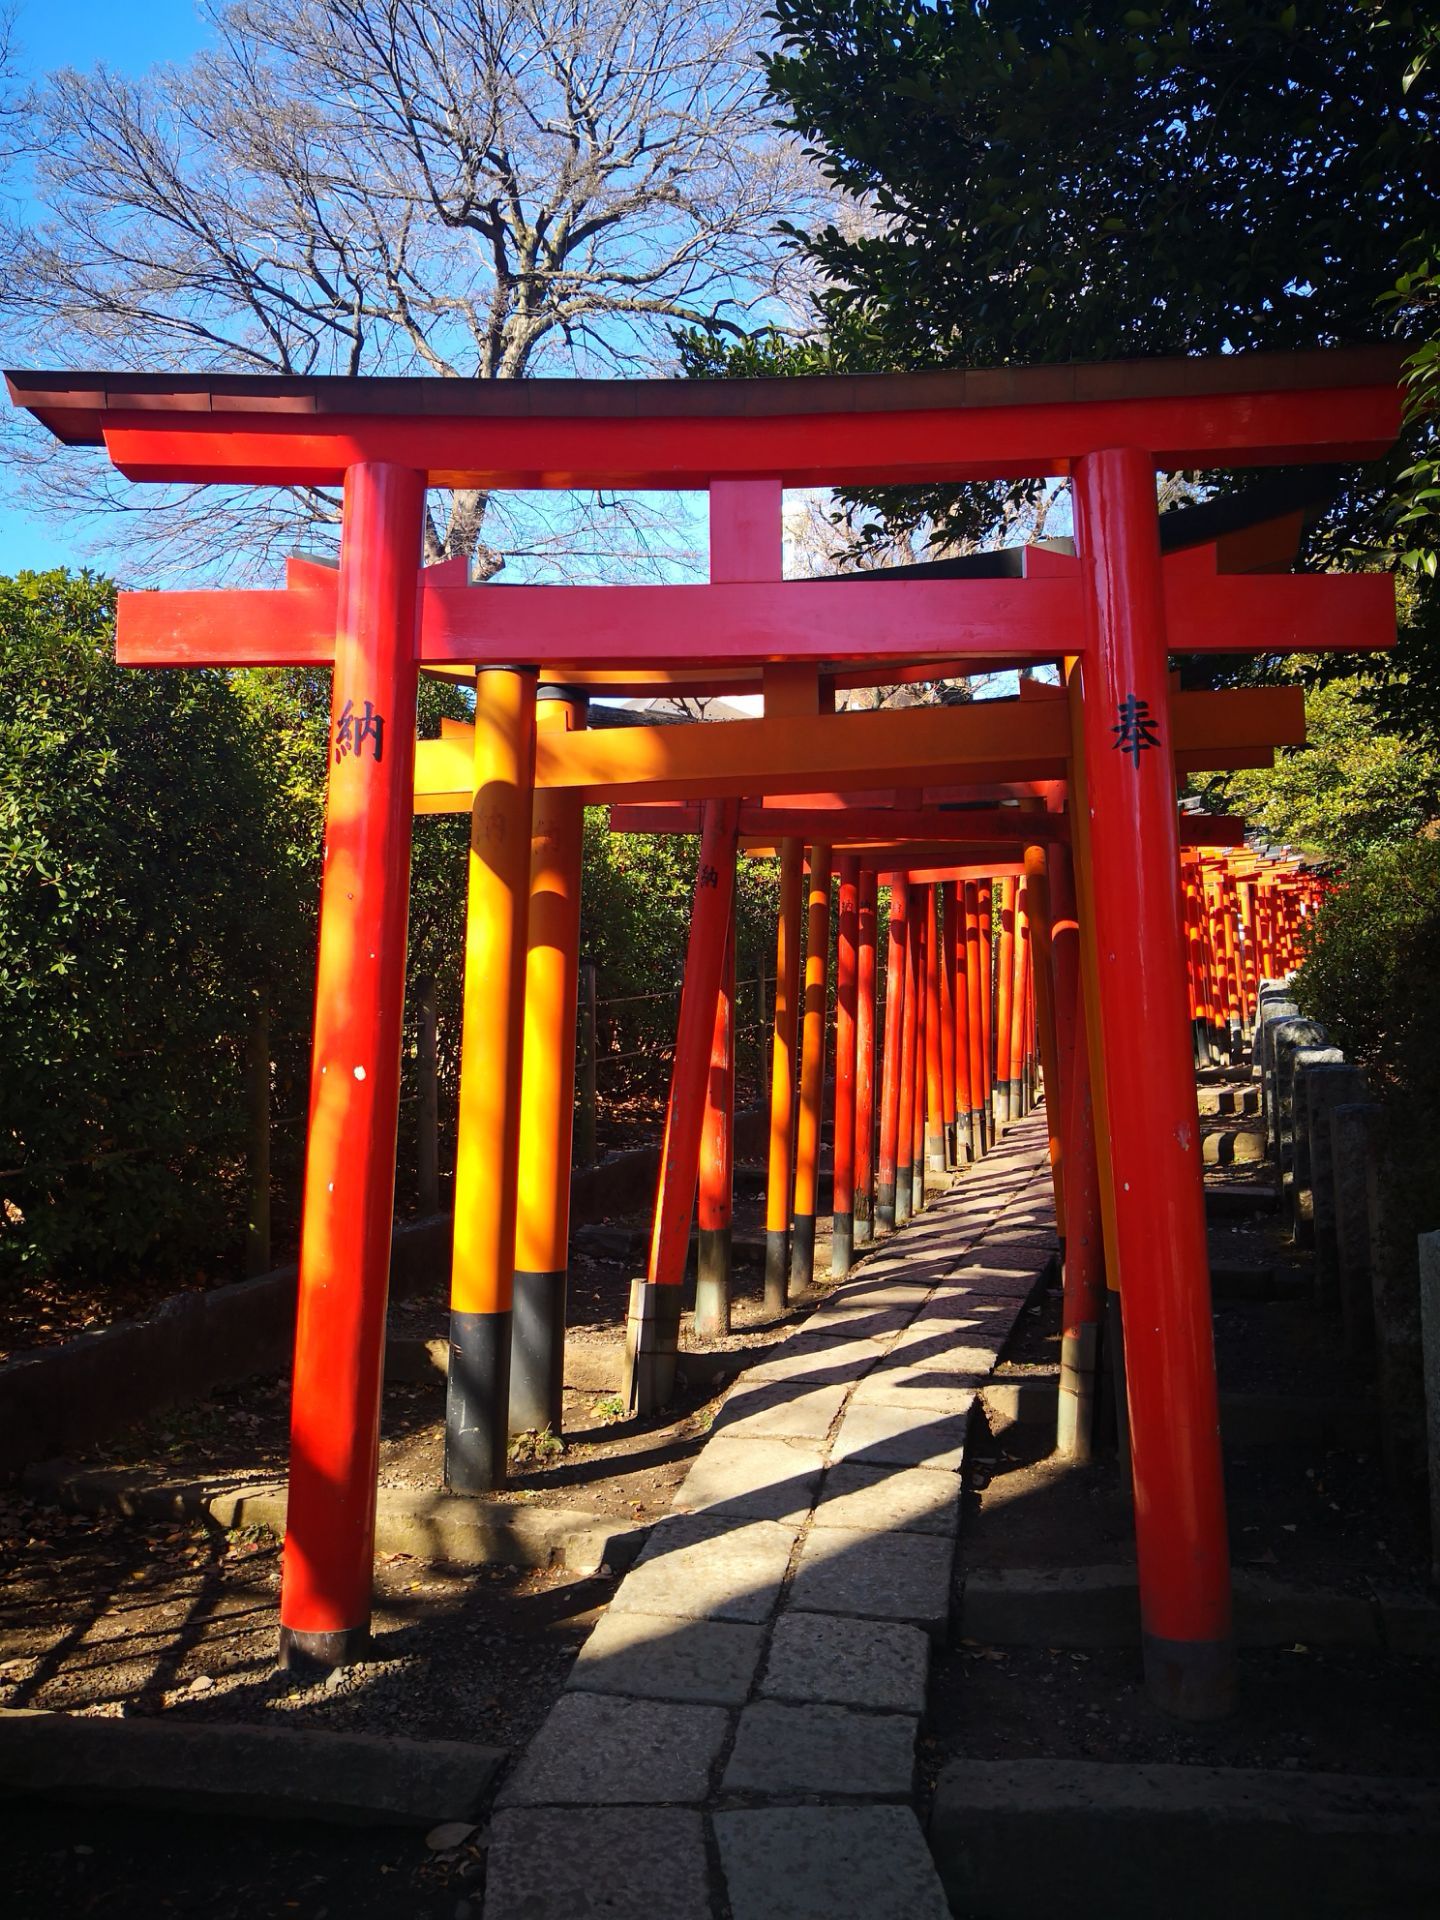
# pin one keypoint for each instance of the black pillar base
(885, 1207)
(303, 1653)
(842, 1244)
(864, 1227)
(652, 1341)
(537, 1353)
(937, 1150)
(1115, 1352)
(802, 1254)
(777, 1269)
(712, 1283)
(1190, 1679)
(477, 1402)
(902, 1195)
(917, 1185)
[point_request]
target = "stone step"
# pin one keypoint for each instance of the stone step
(1014, 1839)
(1233, 1147)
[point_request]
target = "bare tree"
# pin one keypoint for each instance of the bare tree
(478, 189)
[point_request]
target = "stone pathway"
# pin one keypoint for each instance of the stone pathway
(737, 1738)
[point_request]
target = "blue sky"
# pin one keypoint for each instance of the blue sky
(86, 33)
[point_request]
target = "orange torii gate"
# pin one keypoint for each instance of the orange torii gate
(1115, 609)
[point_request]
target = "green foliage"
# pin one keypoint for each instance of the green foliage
(1369, 972)
(160, 843)
(153, 870)
(1352, 788)
(1094, 181)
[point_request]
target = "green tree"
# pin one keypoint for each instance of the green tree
(1354, 787)
(160, 841)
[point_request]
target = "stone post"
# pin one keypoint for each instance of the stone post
(1352, 1128)
(1430, 1343)
(1395, 1293)
(1325, 1089)
(1287, 1037)
(1272, 1011)
(1297, 1196)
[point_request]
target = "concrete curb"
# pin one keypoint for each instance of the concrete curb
(1100, 1607)
(449, 1529)
(220, 1768)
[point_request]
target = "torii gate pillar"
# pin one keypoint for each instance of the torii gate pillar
(1180, 1529)
(355, 1075)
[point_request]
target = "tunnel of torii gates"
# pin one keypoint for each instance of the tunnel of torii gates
(1121, 932)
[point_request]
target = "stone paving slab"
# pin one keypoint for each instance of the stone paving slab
(647, 1656)
(598, 1750)
(783, 1408)
(847, 1662)
(826, 1359)
(1002, 1279)
(701, 1566)
(785, 1749)
(828, 1863)
(896, 1437)
(764, 1479)
(879, 1576)
(585, 1863)
(862, 1322)
(902, 1499)
(929, 1388)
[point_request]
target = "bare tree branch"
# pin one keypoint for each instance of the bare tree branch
(480, 189)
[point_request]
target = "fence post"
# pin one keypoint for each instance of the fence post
(257, 1102)
(587, 1143)
(427, 1075)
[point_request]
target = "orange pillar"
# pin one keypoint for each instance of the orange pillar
(547, 1091)
(784, 1066)
(1019, 1031)
(812, 1075)
(1154, 1147)
(355, 1077)
(865, 985)
(653, 1332)
(847, 960)
(487, 1142)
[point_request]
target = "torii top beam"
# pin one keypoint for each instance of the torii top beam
(1232, 410)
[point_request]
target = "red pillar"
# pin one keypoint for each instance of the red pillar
(922, 1027)
(842, 1231)
(1005, 1105)
(985, 900)
(1159, 1210)
(1084, 1297)
(715, 1199)
(935, 1110)
(979, 1140)
(812, 1073)
(1019, 1007)
(960, 991)
(652, 1336)
(909, 1034)
(865, 1061)
(355, 1075)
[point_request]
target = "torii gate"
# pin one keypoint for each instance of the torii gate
(1107, 427)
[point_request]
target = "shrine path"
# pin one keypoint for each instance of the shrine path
(738, 1733)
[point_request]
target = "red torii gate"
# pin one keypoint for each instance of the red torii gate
(1108, 427)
